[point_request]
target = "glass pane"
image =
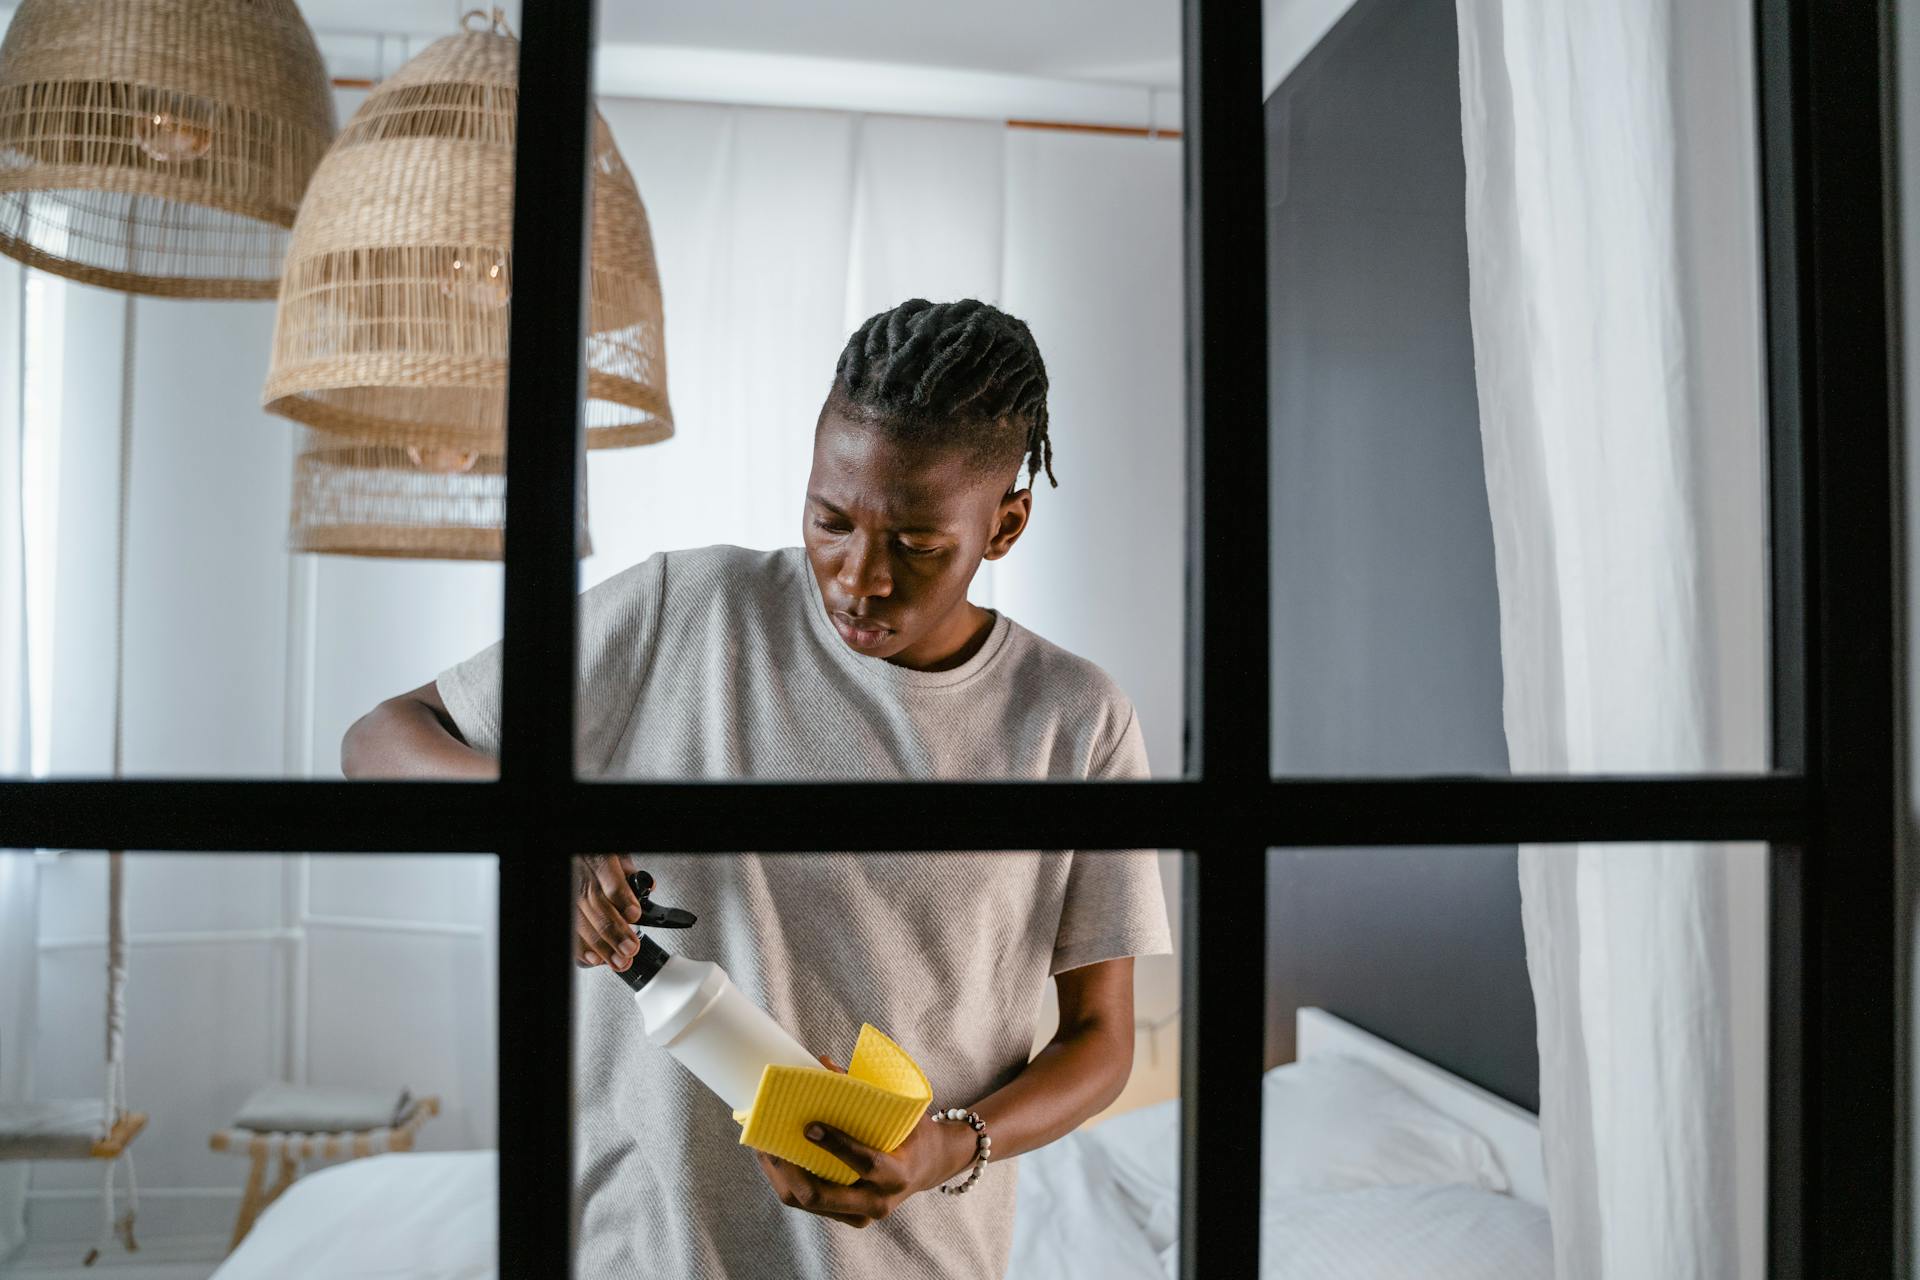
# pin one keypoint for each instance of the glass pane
(997, 977)
(1518, 429)
(1431, 1009)
(781, 228)
(330, 1007)
(286, 568)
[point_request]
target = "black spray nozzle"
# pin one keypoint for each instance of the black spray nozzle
(648, 961)
(651, 957)
(652, 914)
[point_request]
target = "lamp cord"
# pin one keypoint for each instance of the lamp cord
(496, 21)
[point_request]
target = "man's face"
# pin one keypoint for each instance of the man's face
(895, 533)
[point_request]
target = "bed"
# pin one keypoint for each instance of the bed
(1377, 1163)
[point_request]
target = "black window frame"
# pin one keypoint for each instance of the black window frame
(1828, 810)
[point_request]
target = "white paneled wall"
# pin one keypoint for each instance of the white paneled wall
(241, 661)
(339, 969)
(424, 924)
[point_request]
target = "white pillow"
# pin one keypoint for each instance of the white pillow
(1327, 1123)
(1404, 1233)
(1333, 1122)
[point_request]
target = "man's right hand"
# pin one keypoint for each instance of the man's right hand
(605, 910)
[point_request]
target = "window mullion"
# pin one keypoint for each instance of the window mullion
(1228, 584)
(214, 815)
(1824, 85)
(554, 123)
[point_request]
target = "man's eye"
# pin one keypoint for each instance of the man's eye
(829, 526)
(912, 550)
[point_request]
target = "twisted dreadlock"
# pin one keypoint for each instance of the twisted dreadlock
(950, 373)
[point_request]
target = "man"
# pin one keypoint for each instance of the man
(857, 655)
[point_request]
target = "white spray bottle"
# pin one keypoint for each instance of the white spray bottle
(691, 1009)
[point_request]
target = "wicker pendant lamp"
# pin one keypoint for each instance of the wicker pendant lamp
(159, 146)
(391, 342)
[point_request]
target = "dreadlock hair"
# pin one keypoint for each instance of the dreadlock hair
(950, 374)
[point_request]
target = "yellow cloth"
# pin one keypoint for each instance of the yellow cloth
(878, 1101)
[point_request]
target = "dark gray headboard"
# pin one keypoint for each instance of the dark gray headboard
(1386, 622)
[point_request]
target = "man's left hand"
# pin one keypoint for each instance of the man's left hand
(932, 1154)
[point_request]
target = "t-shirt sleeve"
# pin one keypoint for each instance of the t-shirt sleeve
(1114, 905)
(618, 619)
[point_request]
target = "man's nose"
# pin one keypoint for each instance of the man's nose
(864, 570)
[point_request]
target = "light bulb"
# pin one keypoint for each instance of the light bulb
(442, 460)
(169, 138)
(480, 284)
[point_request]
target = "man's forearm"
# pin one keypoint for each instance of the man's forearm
(1074, 1078)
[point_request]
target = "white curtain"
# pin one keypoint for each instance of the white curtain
(19, 931)
(1611, 210)
(776, 230)
(1093, 264)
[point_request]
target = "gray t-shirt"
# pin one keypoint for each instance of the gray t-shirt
(721, 663)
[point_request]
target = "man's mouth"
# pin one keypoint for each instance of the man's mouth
(861, 633)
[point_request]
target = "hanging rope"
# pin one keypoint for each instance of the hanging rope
(116, 1092)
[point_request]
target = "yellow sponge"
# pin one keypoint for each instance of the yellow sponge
(878, 1101)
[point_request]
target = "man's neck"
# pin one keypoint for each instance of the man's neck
(953, 644)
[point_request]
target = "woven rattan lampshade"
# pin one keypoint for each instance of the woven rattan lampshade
(159, 146)
(359, 499)
(391, 342)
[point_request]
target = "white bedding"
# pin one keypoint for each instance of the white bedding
(1404, 1233)
(423, 1216)
(1072, 1219)
(1360, 1179)
(1400, 1193)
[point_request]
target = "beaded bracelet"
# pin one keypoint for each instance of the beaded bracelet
(982, 1149)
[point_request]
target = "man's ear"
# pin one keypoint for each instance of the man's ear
(1009, 523)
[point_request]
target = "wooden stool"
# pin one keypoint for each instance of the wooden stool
(290, 1149)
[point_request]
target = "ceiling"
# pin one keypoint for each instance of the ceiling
(1128, 41)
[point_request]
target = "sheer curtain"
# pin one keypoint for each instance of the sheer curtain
(1611, 211)
(19, 930)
